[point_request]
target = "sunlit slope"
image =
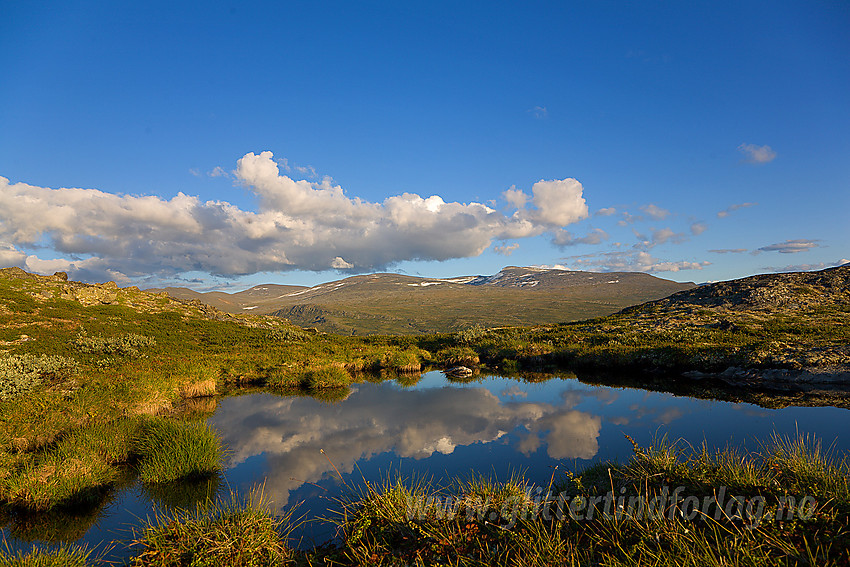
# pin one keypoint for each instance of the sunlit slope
(394, 303)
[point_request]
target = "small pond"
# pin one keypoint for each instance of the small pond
(305, 452)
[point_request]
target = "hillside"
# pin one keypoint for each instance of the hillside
(787, 331)
(401, 304)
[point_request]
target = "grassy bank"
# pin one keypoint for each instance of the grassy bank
(91, 390)
(788, 504)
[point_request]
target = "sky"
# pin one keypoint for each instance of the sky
(220, 145)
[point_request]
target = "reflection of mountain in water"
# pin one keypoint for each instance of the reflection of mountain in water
(375, 419)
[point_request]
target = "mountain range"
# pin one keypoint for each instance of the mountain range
(401, 304)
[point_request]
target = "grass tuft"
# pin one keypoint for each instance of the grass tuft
(236, 533)
(171, 450)
(63, 556)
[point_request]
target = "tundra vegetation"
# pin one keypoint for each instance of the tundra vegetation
(99, 384)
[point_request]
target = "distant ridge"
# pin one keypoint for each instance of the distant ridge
(400, 304)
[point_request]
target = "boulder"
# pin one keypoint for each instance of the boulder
(459, 371)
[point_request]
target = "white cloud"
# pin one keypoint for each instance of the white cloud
(655, 211)
(506, 249)
(807, 267)
(791, 246)
(606, 212)
(664, 235)
(659, 236)
(632, 261)
(729, 250)
(11, 256)
(539, 112)
(218, 172)
(732, 208)
(299, 225)
(698, 228)
(515, 197)
(341, 264)
(629, 218)
(564, 238)
(757, 154)
(558, 202)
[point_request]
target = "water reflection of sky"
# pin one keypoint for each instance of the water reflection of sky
(299, 447)
(495, 426)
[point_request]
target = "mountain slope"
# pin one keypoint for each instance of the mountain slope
(789, 331)
(401, 304)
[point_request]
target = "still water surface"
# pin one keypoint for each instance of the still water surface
(305, 451)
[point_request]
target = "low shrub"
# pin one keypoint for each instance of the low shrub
(471, 334)
(124, 345)
(21, 373)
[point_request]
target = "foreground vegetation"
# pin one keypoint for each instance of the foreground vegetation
(101, 385)
(789, 504)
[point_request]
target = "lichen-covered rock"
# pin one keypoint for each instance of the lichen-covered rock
(97, 294)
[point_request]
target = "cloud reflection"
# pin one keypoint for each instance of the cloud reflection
(291, 432)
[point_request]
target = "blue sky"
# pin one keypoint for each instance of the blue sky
(229, 144)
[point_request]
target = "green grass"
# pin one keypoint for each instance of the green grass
(483, 522)
(326, 377)
(171, 450)
(94, 392)
(570, 521)
(237, 533)
(63, 556)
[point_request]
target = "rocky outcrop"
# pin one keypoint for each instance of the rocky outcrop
(96, 294)
(792, 291)
(18, 273)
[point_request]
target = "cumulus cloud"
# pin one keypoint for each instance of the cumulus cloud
(757, 154)
(515, 197)
(299, 225)
(11, 256)
(558, 202)
(791, 246)
(218, 171)
(632, 261)
(341, 264)
(606, 212)
(732, 208)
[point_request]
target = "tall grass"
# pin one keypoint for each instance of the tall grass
(76, 469)
(63, 556)
(170, 450)
(481, 521)
(235, 533)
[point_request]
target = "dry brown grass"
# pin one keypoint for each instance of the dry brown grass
(198, 389)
